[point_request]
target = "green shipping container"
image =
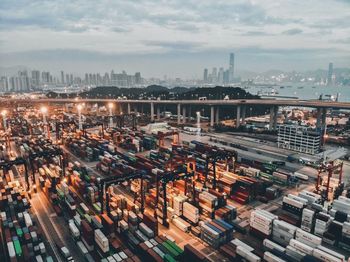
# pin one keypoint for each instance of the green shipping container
(19, 232)
(18, 248)
(168, 258)
(171, 250)
(174, 246)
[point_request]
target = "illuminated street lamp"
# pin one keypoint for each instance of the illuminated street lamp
(110, 106)
(4, 113)
(79, 107)
(43, 110)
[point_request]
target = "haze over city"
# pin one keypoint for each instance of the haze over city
(177, 38)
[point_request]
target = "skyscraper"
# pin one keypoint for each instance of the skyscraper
(214, 75)
(205, 76)
(221, 75)
(330, 74)
(62, 77)
(35, 78)
(232, 67)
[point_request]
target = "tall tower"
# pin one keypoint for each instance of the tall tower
(62, 77)
(330, 74)
(214, 75)
(205, 75)
(231, 68)
(221, 75)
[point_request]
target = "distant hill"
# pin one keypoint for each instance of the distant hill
(176, 93)
(156, 92)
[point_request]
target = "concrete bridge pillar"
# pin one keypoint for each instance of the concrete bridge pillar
(238, 116)
(319, 118)
(129, 109)
(184, 114)
(324, 117)
(217, 115)
(212, 116)
(152, 111)
(158, 112)
(178, 114)
(243, 114)
(272, 115)
(275, 117)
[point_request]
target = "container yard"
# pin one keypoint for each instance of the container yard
(96, 192)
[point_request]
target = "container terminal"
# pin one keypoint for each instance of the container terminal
(85, 186)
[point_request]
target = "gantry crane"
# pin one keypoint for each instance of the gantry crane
(330, 169)
(47, 154)
(105, 183)
(161, 136)
(164, 179)
(61, 125)
(6, 165)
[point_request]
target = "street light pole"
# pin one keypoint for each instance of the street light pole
(4, 113)
(110, 106)
(44, 111)
(79, 107)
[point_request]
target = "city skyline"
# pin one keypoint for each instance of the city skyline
(176, 39)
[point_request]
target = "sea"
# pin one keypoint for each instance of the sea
(305, 92)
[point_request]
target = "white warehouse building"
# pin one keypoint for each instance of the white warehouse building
(299, 138)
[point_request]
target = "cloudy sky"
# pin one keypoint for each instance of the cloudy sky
(177, 38)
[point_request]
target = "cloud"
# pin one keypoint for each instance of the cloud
(256, 33)
(175, 46)
(174, 29)
(293, 31)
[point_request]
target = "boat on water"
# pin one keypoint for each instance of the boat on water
(300, 87)
(273, 92)
(281, 87)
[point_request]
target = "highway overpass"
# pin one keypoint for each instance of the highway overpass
(240, 104)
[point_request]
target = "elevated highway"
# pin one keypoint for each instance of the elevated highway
(239, 104)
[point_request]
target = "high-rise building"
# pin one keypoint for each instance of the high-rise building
(45, 77)
(67, 79)
(221, 75)
(231, 68)
(35, 78)
(330, 74)
(214, 75)
(226, 76)
(4, 84)
(205, 75)
(62, 77)
(106, 80)
(86, 79)
(137, 78)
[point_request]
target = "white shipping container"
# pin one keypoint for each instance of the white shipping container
(73, 228)
(307, 238)
(270, 245)
(322, 255)
(331, 252)
(293, 202)
(238, 242)
(269, 257)
(82, 247)
(27, 219)
(11, 249)
(301, 247)
(249, 256)
(299, 199)
(279, 224)
(181, 224)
